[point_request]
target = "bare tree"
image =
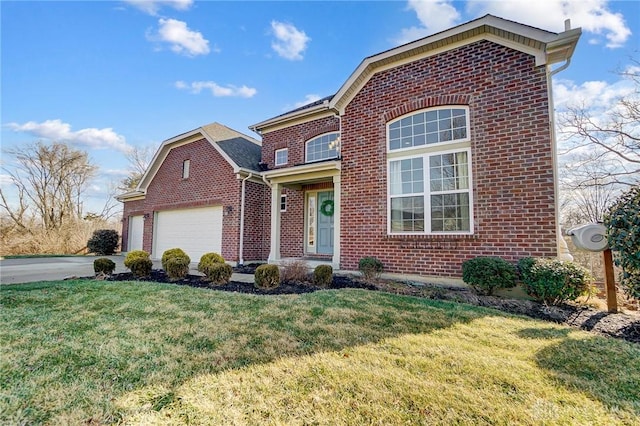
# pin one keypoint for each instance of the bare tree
(609, 141)
(49, 181)
(139, 159)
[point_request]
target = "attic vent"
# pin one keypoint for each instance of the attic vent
(590, 237)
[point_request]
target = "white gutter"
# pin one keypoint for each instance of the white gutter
(241, 242)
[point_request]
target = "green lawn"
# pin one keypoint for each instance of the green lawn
(99, 352)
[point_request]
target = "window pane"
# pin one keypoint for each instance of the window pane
(450, 212)
(440, 125)
(407, 214)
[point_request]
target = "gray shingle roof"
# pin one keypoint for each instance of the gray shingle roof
(243, 152)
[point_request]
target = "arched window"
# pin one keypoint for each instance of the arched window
(323, 147)
(428, 127)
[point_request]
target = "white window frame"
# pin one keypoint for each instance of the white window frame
(186, 165)
(283, 202)
(306, 147)
(434, 144)
(427, 193)
(286, 156)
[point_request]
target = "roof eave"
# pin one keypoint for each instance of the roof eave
(259, 127)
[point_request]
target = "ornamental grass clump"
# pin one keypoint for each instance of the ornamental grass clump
(295, 271)
(553, 281)
(323, 276)
(486, 274)
(371, 268)
(139, 263)
(104, 266)
(267, 276)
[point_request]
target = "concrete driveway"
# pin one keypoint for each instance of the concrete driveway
(53, 268)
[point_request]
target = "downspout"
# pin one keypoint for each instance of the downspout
(242, 198)
(562, 249)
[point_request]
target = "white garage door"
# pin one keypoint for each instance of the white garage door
(136, 231)
(196, 231)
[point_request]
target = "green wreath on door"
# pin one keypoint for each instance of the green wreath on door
(326, 208)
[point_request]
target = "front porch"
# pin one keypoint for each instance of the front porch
(305, 213)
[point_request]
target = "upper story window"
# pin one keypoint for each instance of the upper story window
(323, 147)
(186, 164)
(282, 156)
(428, 127)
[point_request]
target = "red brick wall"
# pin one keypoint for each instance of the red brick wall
(294, 139)
(257, 222)
(511, 153)
(211, 182)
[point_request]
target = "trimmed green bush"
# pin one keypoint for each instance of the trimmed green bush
(139, 263)
(554, 281)
(370, 267)
(134, 255)
(486, 274)
(267, 276)
(208, 260)
(177, 267)
(103, 242)
(623, 236)
(323, 276)
(219, 273)
(103, 265)
(173, 252)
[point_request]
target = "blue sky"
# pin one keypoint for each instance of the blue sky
(107, 76)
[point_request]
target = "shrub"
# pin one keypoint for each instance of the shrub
(174, 252)
(219, 273)
(370, 267)
(139, 263)
(267, 276)
(323, 276)
(486, 274)
(103, 265)
(554, 281)
(134, 255)
(295, 270)
(208, 260)
(177, 267)
(623, 235)
(103, 242)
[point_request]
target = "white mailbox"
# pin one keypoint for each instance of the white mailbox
(590, 237)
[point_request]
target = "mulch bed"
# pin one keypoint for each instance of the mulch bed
(621, 326)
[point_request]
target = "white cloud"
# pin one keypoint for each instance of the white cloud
(217, 90)
(592, 95)
(290, 42)
(152, 7)
(181, 39)
(593, 16)
(307, 100)
(434, 16)
(61, 132)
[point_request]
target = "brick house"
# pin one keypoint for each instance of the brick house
(431, 153)
(201, 192)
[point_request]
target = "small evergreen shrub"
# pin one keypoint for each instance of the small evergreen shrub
(134, 255)
(323, 276)
(174, 252)
(219, 273)
(139, 263)
(295, 270)
(622, 221)
(103, 242)
(209, 260)
(554, 281)
(486, 274)
(370, 267)
(267, 276)
(177, 267)
(103, 265)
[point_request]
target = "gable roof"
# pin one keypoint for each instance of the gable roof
(242, 152)
(547, 48)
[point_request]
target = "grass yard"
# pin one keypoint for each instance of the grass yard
(98, 352)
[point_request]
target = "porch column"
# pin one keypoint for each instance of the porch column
(274, 253)
(335, 261)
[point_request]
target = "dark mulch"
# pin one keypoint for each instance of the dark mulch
(621, 326)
